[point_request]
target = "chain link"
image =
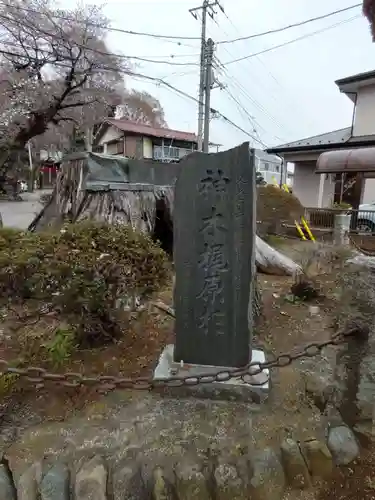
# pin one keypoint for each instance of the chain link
(38, 376)
(359, 249)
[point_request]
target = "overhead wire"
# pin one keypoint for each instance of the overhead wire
(232, 81)
(162, 81)
(120, 56)
(100, 26)
(239, 106)
(254, 102)
(290, 26)
(302, 37)
(158, 81)
(259, 59)
(111, 54)
(244, 111)
(180, 37)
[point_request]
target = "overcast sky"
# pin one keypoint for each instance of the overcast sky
(289, 92)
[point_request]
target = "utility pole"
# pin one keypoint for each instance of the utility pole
(207, 8)
(208, 86)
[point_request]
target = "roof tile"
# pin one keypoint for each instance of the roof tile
(148, 130)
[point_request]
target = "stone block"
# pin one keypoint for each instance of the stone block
(162, 487)
(296, 471)
(343, 445)
(55, 483)
(234, 389)
(28, 483)
(318, 458)
(190, 480)
(228, 483)
(128, 483)
(7, 491)
(267, 479)
(214, 257)
(91, 480)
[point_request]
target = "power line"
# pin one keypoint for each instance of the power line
(177, 37)
(186, 64)
(101, 26)
(241, 108)
(105, 53)
(259, 59)
(157, 81)
(239, 87)
(294, 25)
(308, 35)
(232, 79)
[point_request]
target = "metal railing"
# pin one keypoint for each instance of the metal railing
(362, 221)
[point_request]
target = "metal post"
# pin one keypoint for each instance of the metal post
(208, 85)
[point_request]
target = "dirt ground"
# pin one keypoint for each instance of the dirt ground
(284, 326)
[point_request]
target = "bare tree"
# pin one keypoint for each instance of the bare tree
(141, 107)
(56, 72)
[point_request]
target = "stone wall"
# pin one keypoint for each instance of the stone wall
(150, 447)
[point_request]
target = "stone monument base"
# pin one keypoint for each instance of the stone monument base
(235, 389)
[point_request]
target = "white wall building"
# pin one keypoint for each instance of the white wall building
(269, 166)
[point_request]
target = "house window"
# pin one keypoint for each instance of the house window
(266, 166)
(277, 168)
(171, 152)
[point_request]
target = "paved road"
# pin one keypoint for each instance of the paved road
(19, 214)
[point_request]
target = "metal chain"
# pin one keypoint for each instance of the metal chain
(39, 376)
(359, 249)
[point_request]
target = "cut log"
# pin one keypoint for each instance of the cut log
(271, 261)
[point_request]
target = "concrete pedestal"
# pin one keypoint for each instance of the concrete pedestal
(341, 229)
(237, 389)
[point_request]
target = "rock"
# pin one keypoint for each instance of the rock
(319, 388)
(296, 471)
(190, 481)
(366, 387)
(268, 480)
(229, 485)
(128, 483)
(318, 458)
(27, 485)
(162, 488)
(7, 491)
(55, 484)
(91, 481)
(343, 445)
(365, 433)
(332, 418)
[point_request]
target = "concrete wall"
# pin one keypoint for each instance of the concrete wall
(306, 185)
(364, 116)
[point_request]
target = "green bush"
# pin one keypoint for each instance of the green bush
(84, 273)
(276, 207)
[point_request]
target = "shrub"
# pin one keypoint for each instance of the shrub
(83, 273)
(275, 207)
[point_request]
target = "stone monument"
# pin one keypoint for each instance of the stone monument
(214, 254)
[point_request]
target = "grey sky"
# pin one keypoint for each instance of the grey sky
(289, 91)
